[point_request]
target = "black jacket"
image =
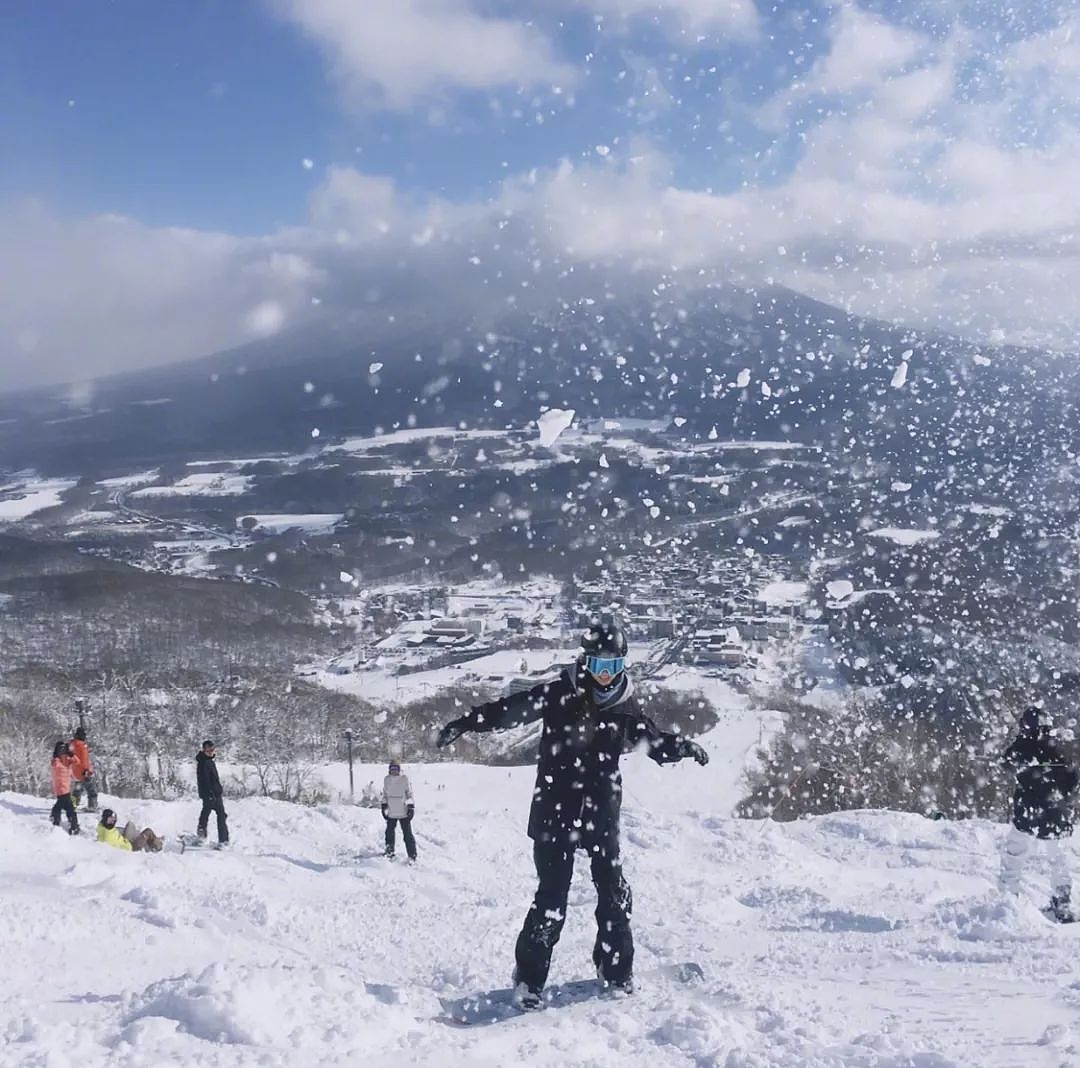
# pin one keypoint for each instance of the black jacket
(207, 777)
(1045, 781)
(578, 792)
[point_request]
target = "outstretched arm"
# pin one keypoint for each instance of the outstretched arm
(662, 746)
(1017, 755)
(513, 711)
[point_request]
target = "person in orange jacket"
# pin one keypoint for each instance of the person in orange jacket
(83, 771)
(63, 763)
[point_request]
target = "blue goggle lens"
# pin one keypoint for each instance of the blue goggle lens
(597, 665)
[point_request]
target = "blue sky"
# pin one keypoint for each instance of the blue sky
(913, 159)
(201, 113)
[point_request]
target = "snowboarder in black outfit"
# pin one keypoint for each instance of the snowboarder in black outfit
(210, 791)
(1042, 808)
(590, 719)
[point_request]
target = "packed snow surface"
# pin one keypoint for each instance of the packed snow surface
(838, 589)
(784, 593)
(858, 939)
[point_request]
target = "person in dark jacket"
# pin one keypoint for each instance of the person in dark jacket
(210, 791)
(1042, 808)
(590, 718)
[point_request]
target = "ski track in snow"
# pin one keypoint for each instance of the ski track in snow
(859, 939)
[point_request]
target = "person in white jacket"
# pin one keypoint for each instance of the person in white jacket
(398, 807)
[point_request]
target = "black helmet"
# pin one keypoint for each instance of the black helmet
(61, 749)
(108, 817)
(603, 649)
(604, 637)
(1034, 720)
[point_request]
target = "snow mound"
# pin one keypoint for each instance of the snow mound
(998, 919)
(279, 1006)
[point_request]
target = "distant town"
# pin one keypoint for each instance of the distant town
(717, 618)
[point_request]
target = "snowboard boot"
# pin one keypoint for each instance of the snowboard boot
(527, 998)
(1061, 905)
(616, 986)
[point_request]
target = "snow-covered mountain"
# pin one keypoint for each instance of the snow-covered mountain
(761, 364)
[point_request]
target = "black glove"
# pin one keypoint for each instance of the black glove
(692, 749)
(409, 810)
(385, 813)
(451, 732)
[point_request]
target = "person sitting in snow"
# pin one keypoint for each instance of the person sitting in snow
(1042, 808)
(590, 718)
(130, 838)
(63, 762)
(83, 771)
(398, 807)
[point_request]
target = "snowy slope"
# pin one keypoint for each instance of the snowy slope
(862, 939)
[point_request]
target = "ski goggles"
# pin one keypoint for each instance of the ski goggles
(605, 665)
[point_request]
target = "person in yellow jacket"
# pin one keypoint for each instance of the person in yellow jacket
(107, 832)
(128, 839)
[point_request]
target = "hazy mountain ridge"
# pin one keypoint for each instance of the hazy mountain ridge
(812, 374)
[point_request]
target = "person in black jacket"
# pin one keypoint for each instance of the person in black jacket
(210, 791)
(590, 718)
(1042, 808)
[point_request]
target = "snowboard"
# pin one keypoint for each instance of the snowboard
(1053, 917)
(494, 1006)
(193, 841)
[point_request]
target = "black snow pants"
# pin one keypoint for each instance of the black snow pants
(216, 805)
(64, 805)
(406, 833)
(613, 953)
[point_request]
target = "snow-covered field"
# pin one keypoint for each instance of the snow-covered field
(203, 484)
(861, 939)
(20, 500)
(319, 523)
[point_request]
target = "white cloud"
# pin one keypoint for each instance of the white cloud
(866, 55)
(738, 18)
(395, 53)
(106, 293)
(1057, 50)
(865, 51)
(901, 205)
